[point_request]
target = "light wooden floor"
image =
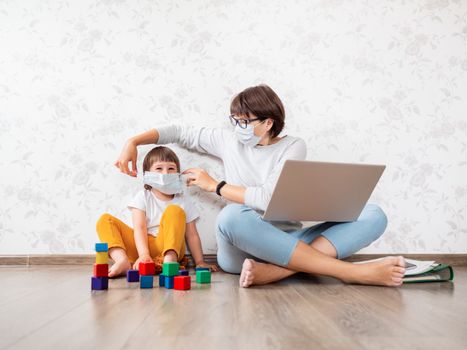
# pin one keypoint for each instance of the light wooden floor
(50, 307)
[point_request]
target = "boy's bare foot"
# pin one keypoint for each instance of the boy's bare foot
(388, 271)
(119, 268)
(170, 256)
(256, 273)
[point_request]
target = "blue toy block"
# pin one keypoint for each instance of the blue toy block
(202, 269)
(99, 283)
(132, 276)
(183, 272)
(169, 282)
(161, 280)
(146, 281)
(102, 247)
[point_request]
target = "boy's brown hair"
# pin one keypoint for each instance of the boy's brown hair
(260, 101)
(159, 154)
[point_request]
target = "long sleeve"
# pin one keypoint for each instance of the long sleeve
(258, 197)
(205, 140)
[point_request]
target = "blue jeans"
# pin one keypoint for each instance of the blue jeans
(242, 234)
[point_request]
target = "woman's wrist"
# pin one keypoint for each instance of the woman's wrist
(132, 141)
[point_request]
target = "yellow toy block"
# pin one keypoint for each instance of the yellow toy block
(102, 258)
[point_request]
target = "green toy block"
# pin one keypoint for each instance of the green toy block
(203, 276)
(170, 268)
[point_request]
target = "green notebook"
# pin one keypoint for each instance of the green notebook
(427, 271)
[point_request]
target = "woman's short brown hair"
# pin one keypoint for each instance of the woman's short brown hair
(262, 102)
(159, 154)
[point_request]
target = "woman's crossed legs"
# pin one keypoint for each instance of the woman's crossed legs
(265, 254)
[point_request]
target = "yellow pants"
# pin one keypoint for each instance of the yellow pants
(171, 234)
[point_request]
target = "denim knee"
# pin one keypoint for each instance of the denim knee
(228, 218)
(379, 220)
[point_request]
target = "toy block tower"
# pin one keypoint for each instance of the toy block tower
(100, 280)
(147, 270)
(169, 271)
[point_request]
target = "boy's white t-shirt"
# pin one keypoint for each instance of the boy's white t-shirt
(146, 201)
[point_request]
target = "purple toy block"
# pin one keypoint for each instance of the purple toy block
(132, 276)
(183, 272)
(99, 283)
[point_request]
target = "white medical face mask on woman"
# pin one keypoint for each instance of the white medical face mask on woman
(166, 183)
(247, 136)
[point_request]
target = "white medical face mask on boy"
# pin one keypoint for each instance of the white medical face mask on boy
(247, 136)
(166, 183)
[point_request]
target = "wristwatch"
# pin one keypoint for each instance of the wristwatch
(219, 186)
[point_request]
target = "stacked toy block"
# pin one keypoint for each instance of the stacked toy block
(174, 278)
(147, 270)
(100, 279)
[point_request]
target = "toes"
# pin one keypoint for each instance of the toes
(401, 261)
(399, 269)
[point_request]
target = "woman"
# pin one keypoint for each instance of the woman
(253, 155)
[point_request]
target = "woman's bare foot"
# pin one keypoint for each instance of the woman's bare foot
(385, 272)
(256, 273)
(119, 268)
(388, 271)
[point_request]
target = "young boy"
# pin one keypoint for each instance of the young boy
(162, 219)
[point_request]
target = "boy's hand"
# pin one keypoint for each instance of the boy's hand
(213, 267)
(145, 258)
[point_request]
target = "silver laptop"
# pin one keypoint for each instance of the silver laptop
(320, 191)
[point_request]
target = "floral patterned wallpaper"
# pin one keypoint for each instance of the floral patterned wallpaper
(363, 81)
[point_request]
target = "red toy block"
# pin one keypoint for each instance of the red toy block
(101, 270)
(147, 268)
(182, 282)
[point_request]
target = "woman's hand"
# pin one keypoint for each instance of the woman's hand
(200, 178)
(129, 154)
(144, 258)
(212, 267)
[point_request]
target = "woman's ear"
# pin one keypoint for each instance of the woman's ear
(269, 123)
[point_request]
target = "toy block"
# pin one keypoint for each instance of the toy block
(102, 247)
(161, 280)
(146, 281)
(203, 276)
(147, 268)
(101, 270)
(170, 268)
(169, 282)
(102, 258)
(183, 272)
(202, 269)
(132, 276)
(182, 282)
(99, 283)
